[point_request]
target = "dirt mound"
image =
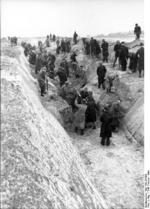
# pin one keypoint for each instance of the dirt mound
(40, 167)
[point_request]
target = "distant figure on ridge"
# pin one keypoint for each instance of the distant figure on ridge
(137, 31)
(75, 35)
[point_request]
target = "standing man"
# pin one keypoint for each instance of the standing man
(75, 35)
(123, 56)
(140, 55)
(62, 75)
(101, 72)
(47, 42)
(106, 129)
(117, 51)
(137, 31)
(90, 113)
(105, 52)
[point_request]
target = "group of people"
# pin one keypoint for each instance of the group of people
(93, 48)
(85, 110)
(63, 46)
(109, 115)
(136, 60)
(13, 40)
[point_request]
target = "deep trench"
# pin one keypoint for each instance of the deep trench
(117, 170)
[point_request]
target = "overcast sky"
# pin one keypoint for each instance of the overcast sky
(62, 17)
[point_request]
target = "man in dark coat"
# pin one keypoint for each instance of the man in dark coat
(75, 35)
(97, 49)
(101, 72)
(47, 42)
(65, 65)
(62, 75)
(105, 52)
(117, 115)
(90, 113)
(92, 47)
(106, 128)
(63, 46)
(54, 37)
(123, 56)
(117, 51)
(137, 31)
(68, 46)
(133, 61)
(140, 55)
(32, 57)
(87, 47)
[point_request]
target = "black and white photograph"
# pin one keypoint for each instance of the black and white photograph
(73, 105)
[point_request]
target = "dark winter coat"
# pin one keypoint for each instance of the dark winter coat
(133, 61)
(117, 49)
(62, 75)
(123, 56)
(104, 47)
(137, 30)
(106, 126)
(140, 54)
(90, 113)
(101, 72)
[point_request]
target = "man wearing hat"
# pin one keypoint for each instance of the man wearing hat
(105, 52)
(101, 72)
(117, 51)
(106, 128)
(123, 56)
(137, 31)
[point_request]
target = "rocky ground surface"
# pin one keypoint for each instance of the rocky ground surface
(115, 171)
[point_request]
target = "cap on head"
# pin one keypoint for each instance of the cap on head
(122, 43)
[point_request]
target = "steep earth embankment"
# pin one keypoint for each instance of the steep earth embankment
(40, 167)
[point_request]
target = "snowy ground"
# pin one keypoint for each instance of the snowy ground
(116, 170)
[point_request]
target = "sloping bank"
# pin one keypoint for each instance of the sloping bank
(40, 167)
(134, 122)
